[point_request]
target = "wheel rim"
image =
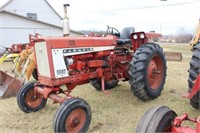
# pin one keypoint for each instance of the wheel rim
(75, 121)
(155, 72)
(168, 129)
(33, 99)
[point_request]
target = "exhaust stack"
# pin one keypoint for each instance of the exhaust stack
(66, 30)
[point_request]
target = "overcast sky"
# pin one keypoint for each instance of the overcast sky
(166, 17)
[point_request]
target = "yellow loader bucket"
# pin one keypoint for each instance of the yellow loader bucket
(173, 56)
(9, 85)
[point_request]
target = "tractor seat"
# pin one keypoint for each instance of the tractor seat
(123, 41)
(125, 36)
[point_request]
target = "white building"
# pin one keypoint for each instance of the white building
(19, 18)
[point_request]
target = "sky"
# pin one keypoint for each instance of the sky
(166, 17)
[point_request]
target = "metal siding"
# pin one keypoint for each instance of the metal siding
(74, 34)
(1, 38)
(15, 36)
(16, 30)
(1, 35)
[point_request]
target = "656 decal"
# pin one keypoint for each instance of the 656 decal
(61, 72)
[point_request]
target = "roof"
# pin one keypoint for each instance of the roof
(4, 11)
(5, 4)
(9, 1)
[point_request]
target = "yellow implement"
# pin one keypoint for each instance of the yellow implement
(8, 56)
(196, 36)
(22, 70)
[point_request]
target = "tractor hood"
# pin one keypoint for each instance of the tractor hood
(73, 42)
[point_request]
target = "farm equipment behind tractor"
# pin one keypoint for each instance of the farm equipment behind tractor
(163, 119)
(23, 54)
(15, 49)
(62, 63)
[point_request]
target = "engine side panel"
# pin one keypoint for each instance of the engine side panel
(42, 59)
(60, 69)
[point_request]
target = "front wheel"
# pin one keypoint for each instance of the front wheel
(28, 100)
(147, 71)
(73, 116)
(156, 120)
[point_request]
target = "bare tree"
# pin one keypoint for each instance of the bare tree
(183, 36)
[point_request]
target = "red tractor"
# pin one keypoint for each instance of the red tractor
(163, 119)
(65, 62)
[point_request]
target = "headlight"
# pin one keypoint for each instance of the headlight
(15, 47)
(142, 36)
(135, 36)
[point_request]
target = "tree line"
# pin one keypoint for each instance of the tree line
(182, 35)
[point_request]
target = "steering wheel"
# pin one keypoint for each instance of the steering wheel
(112, 31)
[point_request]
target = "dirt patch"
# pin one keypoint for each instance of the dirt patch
(96, 127)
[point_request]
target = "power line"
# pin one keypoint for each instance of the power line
(126, 9)
(146, 7)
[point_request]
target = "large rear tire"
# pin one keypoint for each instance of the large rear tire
(156, 120)
(73, 116)
(147, 71)
(96, 83)
(29, 101)
(194, 71)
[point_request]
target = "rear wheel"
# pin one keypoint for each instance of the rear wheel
(73, 116)
(96, 83)
(194, 71)
(157, 119)
(147, 71)
(30, 101)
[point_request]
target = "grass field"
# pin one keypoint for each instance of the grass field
(117, 112)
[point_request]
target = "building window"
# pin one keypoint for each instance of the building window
(32, 15)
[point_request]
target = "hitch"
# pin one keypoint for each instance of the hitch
(195, 88)
(177, 128)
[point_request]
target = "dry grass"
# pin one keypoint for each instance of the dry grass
(117, 112)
